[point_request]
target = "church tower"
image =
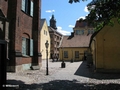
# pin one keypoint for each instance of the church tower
(53, 23)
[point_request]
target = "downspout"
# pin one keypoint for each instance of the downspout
(95, 51)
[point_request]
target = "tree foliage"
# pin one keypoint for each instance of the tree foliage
(75, 1)
(71, 1)
(101, 11)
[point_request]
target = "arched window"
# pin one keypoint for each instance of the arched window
(27, 46)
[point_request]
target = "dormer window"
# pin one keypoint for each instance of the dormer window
(79, 32)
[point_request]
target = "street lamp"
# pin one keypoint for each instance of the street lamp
(47, 45)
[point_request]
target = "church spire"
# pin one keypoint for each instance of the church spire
(53, 22)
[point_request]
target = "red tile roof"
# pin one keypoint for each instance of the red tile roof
(80, 24)
(76, 41)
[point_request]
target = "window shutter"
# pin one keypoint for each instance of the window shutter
(31, 47)
(23, 5)
(23, 46)
(31, 9)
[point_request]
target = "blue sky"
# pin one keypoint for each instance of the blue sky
(65, 13)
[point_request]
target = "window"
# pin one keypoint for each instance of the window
(79, 32)
(57, 43)
(65, 54)
(88, 31)
(82, 32)
(27, 7)
(27, 47)
(76, 54)
(44, 31)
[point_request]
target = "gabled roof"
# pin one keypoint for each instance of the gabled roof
(93, 35)
(42, 21)
(76, 41)
(53, 30)
(81, 24)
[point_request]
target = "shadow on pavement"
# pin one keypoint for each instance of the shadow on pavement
(62, 85)
(84, 71)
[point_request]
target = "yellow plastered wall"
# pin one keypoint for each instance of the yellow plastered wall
(108, 47)
(71, 53)
(44, 35)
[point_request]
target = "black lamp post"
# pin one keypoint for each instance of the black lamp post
(47, 45)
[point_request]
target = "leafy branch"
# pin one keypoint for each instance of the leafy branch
(102, 11)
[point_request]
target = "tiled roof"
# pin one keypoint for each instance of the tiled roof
(41, 23)
(76, 41)
(81, 24)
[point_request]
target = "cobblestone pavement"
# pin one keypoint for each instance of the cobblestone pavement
(75, 76)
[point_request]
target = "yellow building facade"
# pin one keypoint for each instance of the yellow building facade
(44, 36)
(105, 47)
(75, 46)
(72, 53)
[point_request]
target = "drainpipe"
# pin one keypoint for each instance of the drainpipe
(95, 51)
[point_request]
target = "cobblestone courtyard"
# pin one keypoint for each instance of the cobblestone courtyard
(75, 76)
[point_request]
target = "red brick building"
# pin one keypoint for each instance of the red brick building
(24, 24)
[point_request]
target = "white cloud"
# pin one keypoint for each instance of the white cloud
(83, 17)
(71, 26)
(59, 29)
(85, 9)
(49, 11)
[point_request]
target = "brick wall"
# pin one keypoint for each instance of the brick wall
(23, 25)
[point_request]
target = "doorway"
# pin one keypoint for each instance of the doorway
(2, 63)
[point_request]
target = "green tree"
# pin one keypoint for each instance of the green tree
(101, 11)
(71, 1)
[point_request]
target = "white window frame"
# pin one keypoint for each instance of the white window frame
(27, 47)
(65, 54)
